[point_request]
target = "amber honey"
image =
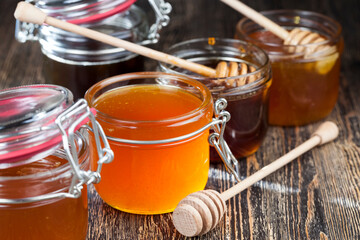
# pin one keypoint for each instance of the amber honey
(61, 218)
(152, 178)
(303, 90)
(305, 86)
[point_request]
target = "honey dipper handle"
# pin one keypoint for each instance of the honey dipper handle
(327, 132)
(258, 18)
(27, 12)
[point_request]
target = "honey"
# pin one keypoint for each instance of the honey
(248, 124)
(243, 135)
(305, 86)
(78, 78)
(61, 218)
(152, 178)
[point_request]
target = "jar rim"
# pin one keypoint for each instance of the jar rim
(93, 93)
(244, 88)
(304, 13)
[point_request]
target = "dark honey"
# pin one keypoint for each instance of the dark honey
(79, 78)
(248, 124)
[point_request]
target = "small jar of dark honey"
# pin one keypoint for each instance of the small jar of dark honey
(246, 93)
(160, 127)
(44, 163)
(77, 62)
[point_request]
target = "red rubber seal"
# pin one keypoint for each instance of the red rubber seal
(122, 7)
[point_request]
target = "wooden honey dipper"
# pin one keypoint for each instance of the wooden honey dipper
(295, 37)
(201, 211)
(231, 69)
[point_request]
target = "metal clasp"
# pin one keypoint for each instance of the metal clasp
(83, 113)
(161, 9)
(216, 139)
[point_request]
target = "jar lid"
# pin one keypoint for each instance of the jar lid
(27, 122)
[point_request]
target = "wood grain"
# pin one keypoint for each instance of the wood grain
(317, 196)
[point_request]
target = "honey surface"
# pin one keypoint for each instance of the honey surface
(146, 103)
(152, 179)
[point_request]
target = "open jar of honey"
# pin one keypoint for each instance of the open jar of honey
(158, 125)
(77, 62)
(44, 163)
(305, 82)
(247, 103)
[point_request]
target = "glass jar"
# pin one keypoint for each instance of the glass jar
(248, 103)
(44, 164)
(77, 62)
(305, 86)
(159, 133)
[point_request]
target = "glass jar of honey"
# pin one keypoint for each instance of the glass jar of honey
(44, 163)
(247, 103)
(305, 82)
(77, 62)
(158, 125)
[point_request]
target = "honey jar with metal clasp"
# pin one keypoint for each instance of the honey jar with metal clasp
(76, 62)
(44, 163)
(160, 127)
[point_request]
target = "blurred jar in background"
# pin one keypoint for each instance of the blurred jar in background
(76, 62)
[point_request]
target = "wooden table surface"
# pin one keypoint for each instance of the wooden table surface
(317, 196)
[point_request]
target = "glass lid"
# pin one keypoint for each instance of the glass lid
(27, 121)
